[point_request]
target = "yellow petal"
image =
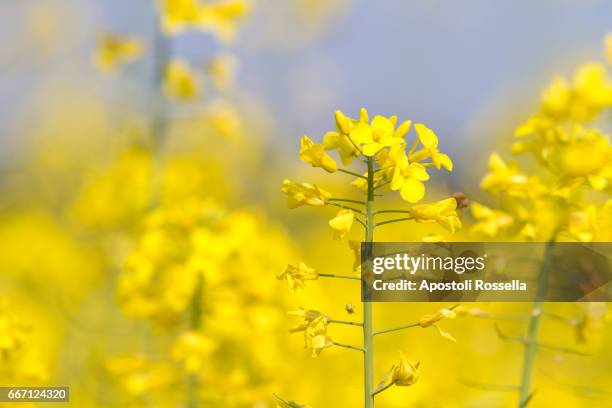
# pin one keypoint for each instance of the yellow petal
(412, 190)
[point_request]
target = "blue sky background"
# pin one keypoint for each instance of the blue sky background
(470, 69)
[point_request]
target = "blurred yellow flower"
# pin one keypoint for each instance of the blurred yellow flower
(315, 155)
(299, 194)
(608, 47)
(489, 221)
(296, 276)
(504, 178)
(342, 223)
(222, 17)
(405, 373)
(180, 82)
(178, 15)
(12, 330)
(193, 350)
(114, 51)
(442, 212)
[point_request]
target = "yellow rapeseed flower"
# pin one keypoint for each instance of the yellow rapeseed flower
(502, 177)
(342, 223)
(315, 154)
(380, 133)
(429, 140)
(443, 212)
(299, 194)
(405, 373)
(180, 82)
(296, 276)
(408, 177)
(489, 222)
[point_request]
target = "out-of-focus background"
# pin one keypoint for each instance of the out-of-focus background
(121, 179)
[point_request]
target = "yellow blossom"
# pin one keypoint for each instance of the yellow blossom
(442, 212)
(489, 221)
(340, 139)
(431, 320)
(342, 223)
(405, 373)
(504, 178)
(380, 133)
(429, 140)
(316, 337)
(222, 17)
(180, 83)
(308, 316)
(407, 177)
(315, 155)
(299, 194)
(556, 98)
(178, 15)
(114, 51)
(296, 276)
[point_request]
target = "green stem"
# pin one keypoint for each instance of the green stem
(394, 220)
(368, 332)
(406, 326)
(381, 389)
(348, 346)
(346, 200)
(353, 173)
(531, 343)
(392, 212)
(161, 53)
(331, 275)
(193, 380)
(346, 207)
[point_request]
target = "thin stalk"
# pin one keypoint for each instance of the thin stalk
(531, 345)
(381, 389)
(195, 324)
(348, 346)
(349, 323)
(331, 275)
(161, 53)
(382, 185)
(394, 220)
(406, 326)
(368, 330)
(346, 207)
(392, 212)
(346, 200)
(353, 173)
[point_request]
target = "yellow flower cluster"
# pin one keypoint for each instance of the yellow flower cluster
(219, 17)
(20, 361)
(382, 141)
(575, 162)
